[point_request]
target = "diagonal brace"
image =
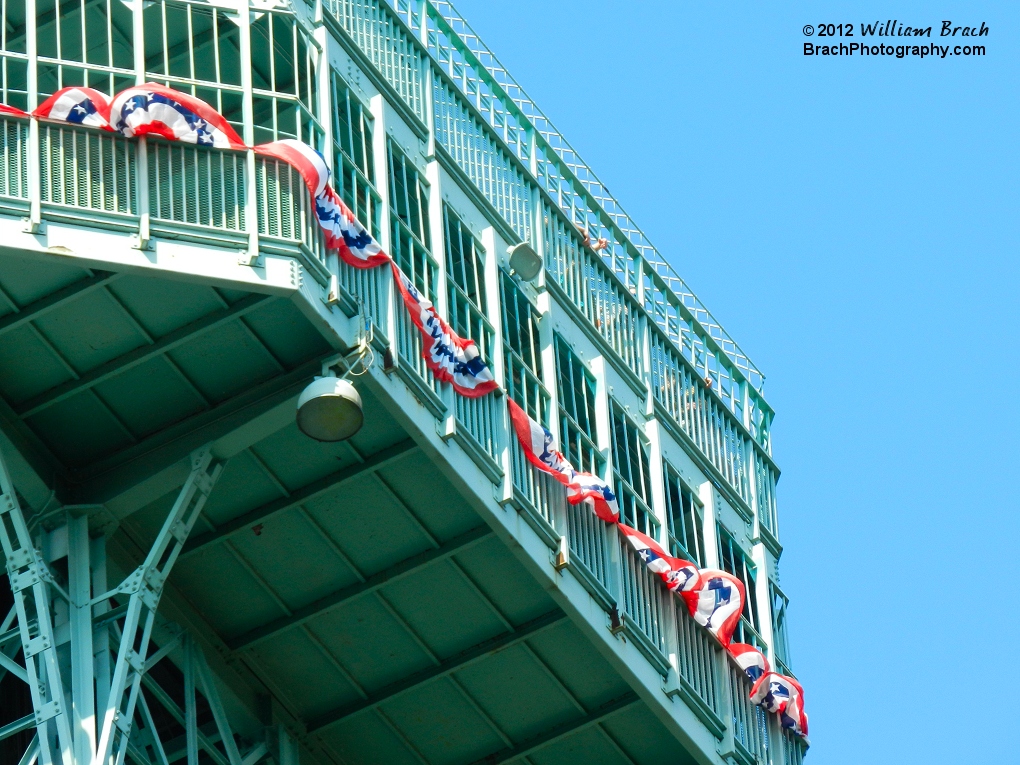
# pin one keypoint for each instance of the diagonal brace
(144, 587)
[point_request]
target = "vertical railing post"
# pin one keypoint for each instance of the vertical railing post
(142, 150)
(248, 134)
(377, 106)
(727, 746)
(325, 117)
(34, 220)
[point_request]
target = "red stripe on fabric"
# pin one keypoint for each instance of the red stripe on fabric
(100, 100)
(199, 107)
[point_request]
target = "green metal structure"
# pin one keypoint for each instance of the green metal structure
(190, 579)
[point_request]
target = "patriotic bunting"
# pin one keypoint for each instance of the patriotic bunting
(539, 447)
(343, 232)
(714, 598)
(451, 358)
(80, 106)
(783, 696)
(679, 575)
(749, 659)
(717, 603)
(157, 110)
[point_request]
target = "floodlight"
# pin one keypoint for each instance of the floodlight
(525, 261)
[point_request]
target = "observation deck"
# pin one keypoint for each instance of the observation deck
(419, 593)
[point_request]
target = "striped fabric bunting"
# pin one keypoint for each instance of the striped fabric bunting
(717, 603)
(451, 358)
(539, 448)
(341, 229)
(783, 696)
(679, 575)
(12, 110)
(152, 109)
(749, 659)
(79, 106)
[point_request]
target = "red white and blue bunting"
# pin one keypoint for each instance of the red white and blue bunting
(714, 599)
(80, 106)
(783, 696)
(340, 227)
(153, 109)
(539, 447)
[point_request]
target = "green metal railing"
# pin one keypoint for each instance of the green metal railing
(196, 186)
(13, 158)
(88, 169)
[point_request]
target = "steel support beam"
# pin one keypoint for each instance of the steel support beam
(54, 300)
(560, 732)
(31, 581)
(371, 584)
(447, 667)
(102, 481)
(142, 354)
(324, 485)
(143, 588)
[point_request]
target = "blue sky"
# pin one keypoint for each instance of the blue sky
(854, 224)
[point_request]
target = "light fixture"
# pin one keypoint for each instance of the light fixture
(329, 409)
(524, 261)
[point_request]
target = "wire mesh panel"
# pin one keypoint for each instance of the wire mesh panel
(488, 166)
(581, 275)
(643, 596)
(701, 415)
(87, 168)
(387, 46)
(14, 158)
(750, 722)
(192, 184)
(697, 657)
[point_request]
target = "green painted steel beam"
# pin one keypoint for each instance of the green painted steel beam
(560, 732)
(371, 584)
(56, 299)
(449, 666)
(142, 354)
(328, 483)
(24, 723)
(112, 476)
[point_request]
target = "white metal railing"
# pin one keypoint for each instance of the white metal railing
(479, 417)
(285, 207)
(588, 539)
(368, 287)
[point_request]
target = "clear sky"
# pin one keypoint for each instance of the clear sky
(854, 224)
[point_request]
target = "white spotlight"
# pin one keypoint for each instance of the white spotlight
(329, 409)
